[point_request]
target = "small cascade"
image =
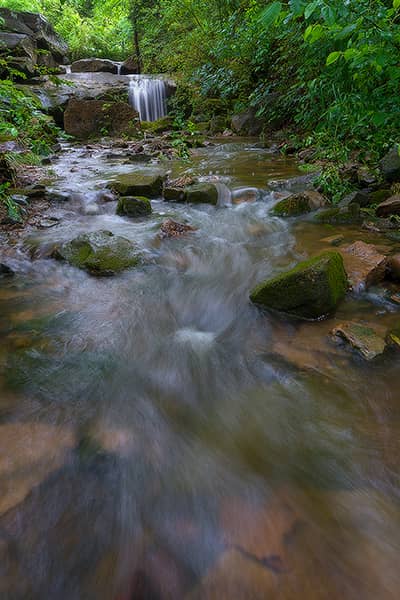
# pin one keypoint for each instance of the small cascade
(148, 96)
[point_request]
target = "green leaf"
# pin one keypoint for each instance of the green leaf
(396, 4)
(333, 57)
(310, 9)
(269, 16)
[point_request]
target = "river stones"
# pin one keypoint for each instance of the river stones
(149, 185)
(202, 193)
(299, 204)
(174, 194)
(131, 206)
(364, 264)
(389, 207)
(367, 340)
(29, 453)
(173, 229)
(312, 290)
(390, 165)
(99, 253)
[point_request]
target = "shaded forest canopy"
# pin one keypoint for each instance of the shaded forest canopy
(328, 70)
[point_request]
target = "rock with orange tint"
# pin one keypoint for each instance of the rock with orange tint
(364, 264)
(259, 530)
(236, 577)
(29, 453)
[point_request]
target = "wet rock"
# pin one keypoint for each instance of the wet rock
(35, 191)
(364, 265)
(99, 253)
(390, 165)
(393, 337)
(6, 271)
(149, 185)
(246, 123)
(131, 206)
(367, 340)
(158, 126)
(295, 184)
(174, 194)
(86, 118)
(94, 65)
(58, 196)
(333, 240)
(312, 290)
(350, 215)
(202, 193)
(299, 204)
(393, 267)
(171, 228)
(391, 206)
(245, 195)
(29, 453)
(23, 51)
(236, 576)
(129, 66)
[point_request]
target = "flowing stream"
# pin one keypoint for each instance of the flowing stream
(162, 438)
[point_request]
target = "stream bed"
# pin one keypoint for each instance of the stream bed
(160, 437)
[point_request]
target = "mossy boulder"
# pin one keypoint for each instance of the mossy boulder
(131, 206)
(99, 253)
(351, 215)
(298, 204)
(174, 194)
(312, 290)
(149, 185)
(202, 193)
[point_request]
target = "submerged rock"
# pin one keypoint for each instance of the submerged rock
(149, 185)
(365, 339)
(99, 253)
(5, 271)
(299, 204)
(202, 193)
(312, 290)
(348, 215)
(171, 228)
(131, 206)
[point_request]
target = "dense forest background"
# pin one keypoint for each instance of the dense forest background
(329, 70)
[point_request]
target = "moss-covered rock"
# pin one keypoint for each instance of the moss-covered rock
(174, 194)
(313, 289)
(299, 204)
(149, 185)
(367, 340)
(351, 215)
(131, 206)
(202, 193)
(99, 253)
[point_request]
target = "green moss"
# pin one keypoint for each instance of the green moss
(99, 253)
(131, 206)
(159, 126)
(149, 185)
(311, 290)
(202, 193)
(292, 206)
(379, 196)
(340, 216)
(174, 194)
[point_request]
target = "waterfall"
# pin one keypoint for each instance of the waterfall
(148, 96)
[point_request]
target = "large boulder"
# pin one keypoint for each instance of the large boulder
(99, 253)
(22, 51)
(87, 118)
(149, 185)
(94, 65)
(390, 165)
(246, 123)
(131, 206)
(299, 204)
(391, 206)
(202, 193)
(312, 290)
(48, 47)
